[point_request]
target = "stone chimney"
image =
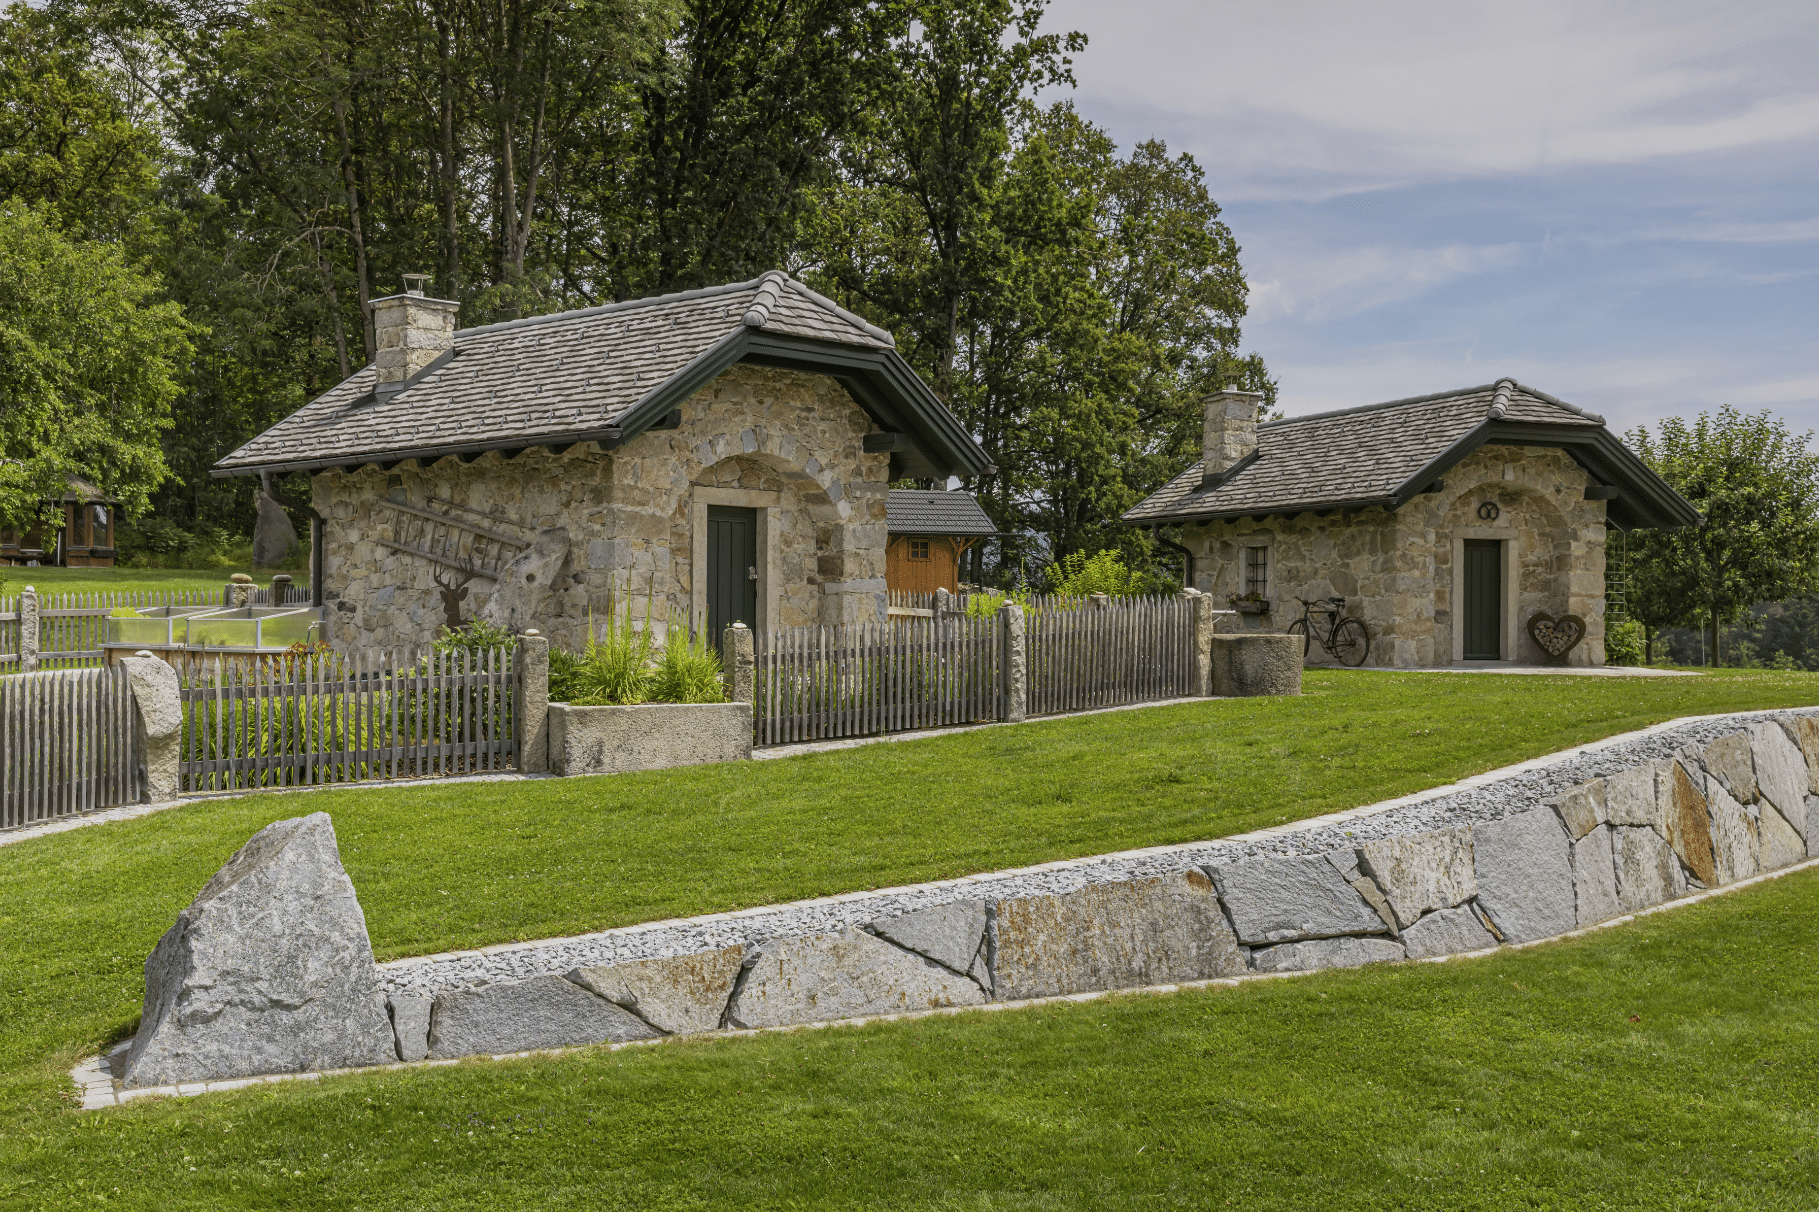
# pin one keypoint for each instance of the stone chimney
(411, 331)
(1231, 433)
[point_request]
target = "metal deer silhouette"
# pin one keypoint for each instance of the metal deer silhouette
(453, 594)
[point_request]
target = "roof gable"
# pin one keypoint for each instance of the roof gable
(913, 511)
(1383, 454)
(605, 374)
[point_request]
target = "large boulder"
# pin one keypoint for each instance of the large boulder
(1279, 900)
(1113, 936)
(1525, 875)
(274, 538)
(268, 970)
(847, 975)
(523, 1016)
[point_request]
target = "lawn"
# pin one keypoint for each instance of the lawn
(130, 580)
(909, 1116)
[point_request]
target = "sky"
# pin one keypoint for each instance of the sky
(1616, 203)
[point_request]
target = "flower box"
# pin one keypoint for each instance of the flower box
(648, 736)
(1244, 607)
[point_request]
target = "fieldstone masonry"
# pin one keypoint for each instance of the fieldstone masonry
(1395, 570)
(1615, 844)
(793, 437)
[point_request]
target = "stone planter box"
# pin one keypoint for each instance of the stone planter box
(650, 736)
(1256, 663)
(1243, 607)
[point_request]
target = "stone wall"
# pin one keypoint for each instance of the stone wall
(629, 518)
(1710, 803)
(1396, 569)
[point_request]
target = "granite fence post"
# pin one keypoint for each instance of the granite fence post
(739, 662)
(1016, 663)
(1203, 644)
(157, 725)
(28, 630)
(533, 703)
(1102, 601)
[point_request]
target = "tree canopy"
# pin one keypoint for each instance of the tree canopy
(272, 166)
(1757, 486)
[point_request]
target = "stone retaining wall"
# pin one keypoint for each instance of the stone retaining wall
(1582, 838)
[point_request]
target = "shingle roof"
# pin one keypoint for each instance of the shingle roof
(910, 511)
(1357, 455)
(553, 376)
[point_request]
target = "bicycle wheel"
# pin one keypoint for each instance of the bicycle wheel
(1351, 642)
(1299, 627)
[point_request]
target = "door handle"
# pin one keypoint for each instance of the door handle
(751, 572)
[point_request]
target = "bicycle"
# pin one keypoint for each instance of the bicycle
(1344, 639)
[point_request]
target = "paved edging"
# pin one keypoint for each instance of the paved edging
(98, 1089)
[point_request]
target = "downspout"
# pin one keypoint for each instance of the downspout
(1187, 572)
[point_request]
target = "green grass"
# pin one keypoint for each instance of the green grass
(84, 580)
(1264, 1089)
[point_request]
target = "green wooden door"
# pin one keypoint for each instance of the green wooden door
(1481, 607)
(732, 567)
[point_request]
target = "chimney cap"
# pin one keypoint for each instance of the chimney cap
(413, 284)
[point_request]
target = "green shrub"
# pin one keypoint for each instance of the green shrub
(473, 635)
(1623, 642)
(1078, 574)
(614, 669)
(689, 670)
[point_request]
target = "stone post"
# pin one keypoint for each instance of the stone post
(739, 661)
(238, 592)
(942, 601)
(1016, 663)
(1102, 601)
(158, 725)
(1203, 643)
(28, 630)
(533, 703)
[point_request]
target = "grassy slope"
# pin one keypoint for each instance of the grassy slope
(1669, 1064)
(464, 865)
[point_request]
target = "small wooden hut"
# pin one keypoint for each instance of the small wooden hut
(83, 539)
(929, 532)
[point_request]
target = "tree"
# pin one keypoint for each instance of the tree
(88, 368)
(1757, 486)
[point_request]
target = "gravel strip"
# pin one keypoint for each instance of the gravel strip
(1483, 798)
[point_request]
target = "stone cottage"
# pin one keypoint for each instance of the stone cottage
(718, 455)
(1448, 522)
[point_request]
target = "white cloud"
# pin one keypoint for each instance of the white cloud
(1334, 285)
(1391, 92)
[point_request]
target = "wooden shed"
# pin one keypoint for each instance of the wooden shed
(929, 531)
(84, 538)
